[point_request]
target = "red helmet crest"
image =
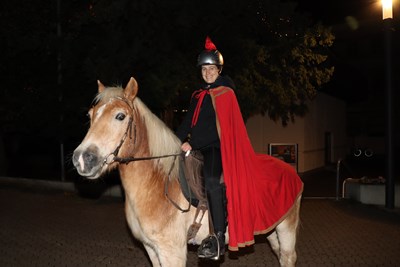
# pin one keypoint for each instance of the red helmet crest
(209, 45)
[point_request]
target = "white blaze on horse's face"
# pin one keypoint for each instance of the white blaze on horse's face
(109, 122)
(108, 125)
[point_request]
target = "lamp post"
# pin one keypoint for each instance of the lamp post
(387, 16)
(60, 92)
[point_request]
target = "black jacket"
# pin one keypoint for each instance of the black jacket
(204, 133)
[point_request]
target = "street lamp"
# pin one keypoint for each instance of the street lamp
(387, 12)
(387, 16)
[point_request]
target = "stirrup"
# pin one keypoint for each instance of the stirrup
(207, 245)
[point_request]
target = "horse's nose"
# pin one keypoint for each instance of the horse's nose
(89, 158)
(85, 160)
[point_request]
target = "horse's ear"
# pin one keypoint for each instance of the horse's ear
(131, 89)
(101, 86)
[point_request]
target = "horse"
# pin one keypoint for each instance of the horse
(126, 135)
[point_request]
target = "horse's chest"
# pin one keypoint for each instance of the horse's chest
(141, 226)
(133, 221)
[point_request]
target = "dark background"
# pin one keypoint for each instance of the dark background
(51, 57)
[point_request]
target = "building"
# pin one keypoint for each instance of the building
(320, 135)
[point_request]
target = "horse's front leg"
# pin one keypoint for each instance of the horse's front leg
(173, 257)
(167, 254)
(153, 256)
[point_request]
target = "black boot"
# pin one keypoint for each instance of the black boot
(212, 247)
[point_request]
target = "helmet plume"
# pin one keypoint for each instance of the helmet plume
(209, 45)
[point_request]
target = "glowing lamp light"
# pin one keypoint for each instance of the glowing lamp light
(387, 12)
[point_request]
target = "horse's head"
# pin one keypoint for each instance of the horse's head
(111, 123)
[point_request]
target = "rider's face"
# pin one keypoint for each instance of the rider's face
(209, 73)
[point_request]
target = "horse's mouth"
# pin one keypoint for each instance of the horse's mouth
(92, 175)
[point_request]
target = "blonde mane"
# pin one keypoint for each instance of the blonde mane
(162, 141)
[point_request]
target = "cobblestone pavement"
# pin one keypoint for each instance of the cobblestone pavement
(54, 228)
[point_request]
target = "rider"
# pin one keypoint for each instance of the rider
(198, 131)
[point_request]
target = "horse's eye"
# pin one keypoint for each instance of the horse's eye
(120, 116)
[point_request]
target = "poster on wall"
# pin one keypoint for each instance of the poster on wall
(284, 151)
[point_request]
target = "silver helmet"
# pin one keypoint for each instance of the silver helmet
(210, 56)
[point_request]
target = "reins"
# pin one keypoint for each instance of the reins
(129, 159)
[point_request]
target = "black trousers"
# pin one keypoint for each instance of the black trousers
(215, 190)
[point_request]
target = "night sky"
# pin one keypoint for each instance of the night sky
(357, 55)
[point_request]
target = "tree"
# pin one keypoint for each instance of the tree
(279, 58)
(280, 79)
(276, 56)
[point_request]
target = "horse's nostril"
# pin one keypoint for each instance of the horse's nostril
(89, 158)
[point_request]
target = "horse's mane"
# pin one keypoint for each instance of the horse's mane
(161, 140)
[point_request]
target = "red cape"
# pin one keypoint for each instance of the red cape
(260, 189)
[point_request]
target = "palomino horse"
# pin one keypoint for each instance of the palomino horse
(122, 127)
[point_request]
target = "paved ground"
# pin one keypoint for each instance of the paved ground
(59, 228)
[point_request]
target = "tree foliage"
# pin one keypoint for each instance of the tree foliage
(284, 64)
(277, 57)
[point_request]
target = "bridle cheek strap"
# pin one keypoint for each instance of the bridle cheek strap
(107, 159)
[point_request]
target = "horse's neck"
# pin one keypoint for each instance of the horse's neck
(147, 177)
(134, 174)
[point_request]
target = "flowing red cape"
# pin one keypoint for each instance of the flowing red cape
(260, 189)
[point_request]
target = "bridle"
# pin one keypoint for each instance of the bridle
(113, 156)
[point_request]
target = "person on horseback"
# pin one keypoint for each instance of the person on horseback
(198, 131)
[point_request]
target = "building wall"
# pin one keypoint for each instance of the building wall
(262, 131)
(326, 115)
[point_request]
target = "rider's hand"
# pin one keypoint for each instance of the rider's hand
(186, 147)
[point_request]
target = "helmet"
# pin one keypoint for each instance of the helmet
(210, 56)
